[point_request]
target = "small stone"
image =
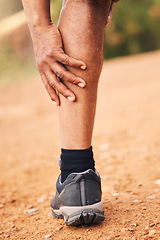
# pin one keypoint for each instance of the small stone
(152, 197)
(33, 210)
(151, 224)
(48, 236)
(1, 205)
(15, 229)
(134, 224)
(124, 230)
(30, 206)
(117, 235)
(146, 228)
(115, 194)
(134, 193)
(152, 233)
(131, 229)
(144, 208)
(157, 182)
(145, 232)
(59, 228)
(6, 235)
(137, 201)
(41, 199)
(127, 210)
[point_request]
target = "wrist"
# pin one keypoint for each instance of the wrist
(43, 29)
(40, 29)
(38, 23)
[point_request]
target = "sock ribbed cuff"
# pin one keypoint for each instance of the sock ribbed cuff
(76, 161)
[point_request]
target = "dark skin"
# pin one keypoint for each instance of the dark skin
(51, 60)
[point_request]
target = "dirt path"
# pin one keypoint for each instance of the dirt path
(127, 152)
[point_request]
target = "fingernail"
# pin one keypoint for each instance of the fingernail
(83, 67)
(55, 102)
(70, 99)
(81, 85)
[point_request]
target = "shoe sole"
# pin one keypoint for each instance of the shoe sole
(74, 216)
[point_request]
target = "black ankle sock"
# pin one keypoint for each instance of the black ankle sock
(74, 161)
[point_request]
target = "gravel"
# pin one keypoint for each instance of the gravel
(33, 210)
(152, 232)
(48, 236)
(137, 201)
(157, 182)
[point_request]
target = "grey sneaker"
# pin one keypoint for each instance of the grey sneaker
(78, 199)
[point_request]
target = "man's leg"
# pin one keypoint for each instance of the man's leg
(78, 199)
(82, 26)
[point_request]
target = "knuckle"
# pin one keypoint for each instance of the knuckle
(65, 93)
(60, 74)
(74, 81)
(65, 60)
(44, 59)
(40, 62)
(45, 84)
(47, 87)
(53, 84)
(49, 52)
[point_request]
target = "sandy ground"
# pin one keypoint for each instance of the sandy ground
(127, 151)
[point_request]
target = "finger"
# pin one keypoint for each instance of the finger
(69, 61)
(110, 14)
(62, 73)
(51, 91)
(109, 18)
(59, 86)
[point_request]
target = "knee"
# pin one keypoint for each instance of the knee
(102, 2)
(95, 7)
(96, 2)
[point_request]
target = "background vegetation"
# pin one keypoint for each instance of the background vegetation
(134, 28)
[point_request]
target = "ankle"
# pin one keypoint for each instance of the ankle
(75, 161)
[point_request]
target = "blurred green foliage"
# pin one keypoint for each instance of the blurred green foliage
(134, 27)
